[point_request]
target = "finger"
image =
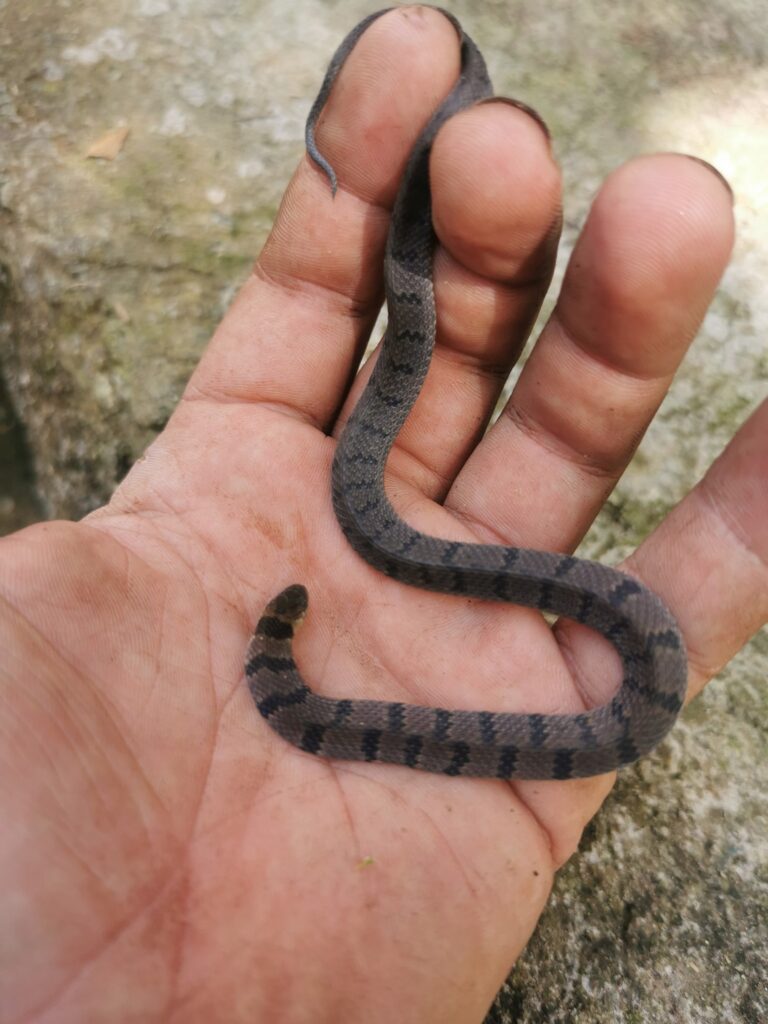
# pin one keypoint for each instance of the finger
(637, 286)
(708, 560)
(491, 271)
(710, 556)
(294, 333)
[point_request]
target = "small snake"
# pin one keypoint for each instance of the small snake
(631, 617)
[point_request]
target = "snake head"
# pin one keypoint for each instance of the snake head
(290, 604)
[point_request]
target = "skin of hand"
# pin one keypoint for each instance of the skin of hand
(165, 856)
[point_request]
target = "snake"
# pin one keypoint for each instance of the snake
(628, 614)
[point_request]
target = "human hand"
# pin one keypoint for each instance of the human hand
(161, 834)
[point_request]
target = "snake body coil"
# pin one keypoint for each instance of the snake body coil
(631, 617)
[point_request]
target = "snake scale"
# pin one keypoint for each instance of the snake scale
(631, 617)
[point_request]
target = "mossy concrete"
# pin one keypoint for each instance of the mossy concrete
(116, 273)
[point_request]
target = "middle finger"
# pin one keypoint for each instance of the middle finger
(491, 271)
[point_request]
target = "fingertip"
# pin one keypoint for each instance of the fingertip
(656, 242)
(497, 191)
(668, 202)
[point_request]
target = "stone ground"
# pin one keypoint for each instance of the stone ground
(113, 274)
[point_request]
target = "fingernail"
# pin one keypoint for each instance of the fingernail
(519, 105)
(714, 170)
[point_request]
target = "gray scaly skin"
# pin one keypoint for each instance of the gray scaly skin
(481, 743)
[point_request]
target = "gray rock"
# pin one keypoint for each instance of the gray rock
(117, 271)
(120, 270)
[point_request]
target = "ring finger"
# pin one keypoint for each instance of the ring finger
(638, 284)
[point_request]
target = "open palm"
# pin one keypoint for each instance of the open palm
(169, 856)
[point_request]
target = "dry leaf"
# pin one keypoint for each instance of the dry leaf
(121, 312)
(108, 145)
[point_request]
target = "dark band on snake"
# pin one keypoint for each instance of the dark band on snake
(631, 617)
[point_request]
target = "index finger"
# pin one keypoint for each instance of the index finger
(296, 330)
